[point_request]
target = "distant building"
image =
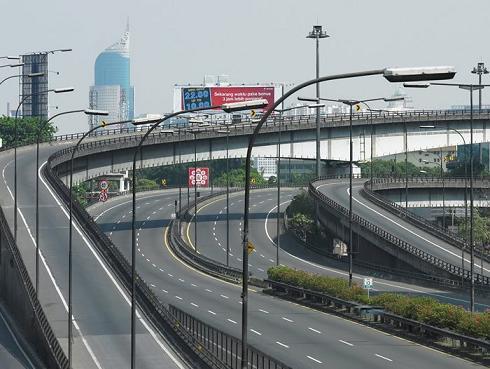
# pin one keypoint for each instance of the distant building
(112, 90)
(267, 167)
(33, 91)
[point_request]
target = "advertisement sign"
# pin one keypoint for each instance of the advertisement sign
(198, 177)
(198, 97)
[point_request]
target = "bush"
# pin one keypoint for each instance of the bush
(420, 308)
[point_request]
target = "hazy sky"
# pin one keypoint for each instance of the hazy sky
(253, 41)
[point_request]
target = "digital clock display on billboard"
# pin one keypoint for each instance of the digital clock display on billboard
(196, 97)
(203, 97)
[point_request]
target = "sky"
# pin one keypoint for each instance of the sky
(180, 41)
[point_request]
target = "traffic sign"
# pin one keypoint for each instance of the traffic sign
(103, 184)
(164, 181)
(103, 196)
(358, 107)
(198, 177)
(253, 113)
(250, 247)
(368, 283)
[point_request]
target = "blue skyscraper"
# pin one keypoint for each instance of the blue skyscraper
(112, 90)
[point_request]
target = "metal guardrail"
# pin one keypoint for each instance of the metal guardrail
(154, 310)
(413, 218)
(461, 345)
(224, 346)
(55, 355)
(370, 227)
(377, 268)
(378, 117)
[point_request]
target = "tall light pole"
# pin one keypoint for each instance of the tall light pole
(228, 108)
(392, 75)
(56, 91)
(351, 104)
(40, 129)
(470, 88)
(480, 69)
(227, 131)
(465, 197)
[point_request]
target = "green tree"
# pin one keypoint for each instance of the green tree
(302, 203)
(146, 184)
(237, 178)
(481, 228)
(27, 129)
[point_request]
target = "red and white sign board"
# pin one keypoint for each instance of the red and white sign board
(103, 196)
(104, 185)
(198, 177)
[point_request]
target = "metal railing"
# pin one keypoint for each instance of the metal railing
(413, 218)
(387, 236)
(224, 346)
(150, 305)
(49, 346)
(461, 345)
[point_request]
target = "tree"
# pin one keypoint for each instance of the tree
(237, 178)
(481, 228)
(143, 184)
(27, 129)
(302, 203)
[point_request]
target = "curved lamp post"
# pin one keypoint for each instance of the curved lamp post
(40, 128)
(228, 108)
(392, 75)
(470, 88)
(351, 103)
(465, 199)
(56, 91)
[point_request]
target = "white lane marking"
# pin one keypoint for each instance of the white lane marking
(151, 284)
(346, 343)
(160, 269)
(165, 291)
(232, 321)
(315, 360)
(170, 275)
(178, 298)
(211, 312)
(111, 277)
(261, 270)
(195, 305)
(208, 290)
(356, 276)
(383, 357)
(413, 233)
(225, 297)
(193, 285)
(287, 319)
(50, 274)
(314, 330)
(256, 332)
(271, 260)
(154, 266)
(17, 342)
(282, 344)
(264, 311)
(181, 280)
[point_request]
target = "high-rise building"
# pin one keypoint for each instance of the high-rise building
(33, 91)
(112, 90)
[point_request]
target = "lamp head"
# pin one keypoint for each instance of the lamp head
(419, 74)
(96, 112)
(63, 90)
(245, 105)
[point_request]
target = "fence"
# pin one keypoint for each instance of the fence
(370, 227)
(224, 346)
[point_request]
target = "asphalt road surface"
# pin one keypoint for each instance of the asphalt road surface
(101, 308)
(298, 336)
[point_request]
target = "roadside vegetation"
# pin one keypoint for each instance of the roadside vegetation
(423, 309)
(26, 131)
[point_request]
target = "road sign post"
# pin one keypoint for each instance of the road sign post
(198, 177)
(368, 284)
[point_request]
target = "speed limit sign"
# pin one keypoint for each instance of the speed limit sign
(104, 185)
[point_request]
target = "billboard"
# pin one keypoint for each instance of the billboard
(37, 104)
(198, 177)
(191, 97)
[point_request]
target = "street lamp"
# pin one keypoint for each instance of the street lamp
(70, 226)
(40, 128)
(30, 75)
(317, 33)
(392, 75)
(350, 103)
(465, 198)
(56, 91)
(480, 69)
(12, 65)
(278, 212)
(10, 57)
(470, 88)
(228, 108)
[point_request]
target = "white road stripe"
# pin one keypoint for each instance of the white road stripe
(346, 343)
(314, 330)
(383, 357)
(196, 305)
(178, 298)
(282, 344)
(256, 332)
(315, 360)
(264, 311)
(211, 312)
(287, 320)
(232, 321)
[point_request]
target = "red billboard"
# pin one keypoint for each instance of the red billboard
(198, 176)
(195, 97)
